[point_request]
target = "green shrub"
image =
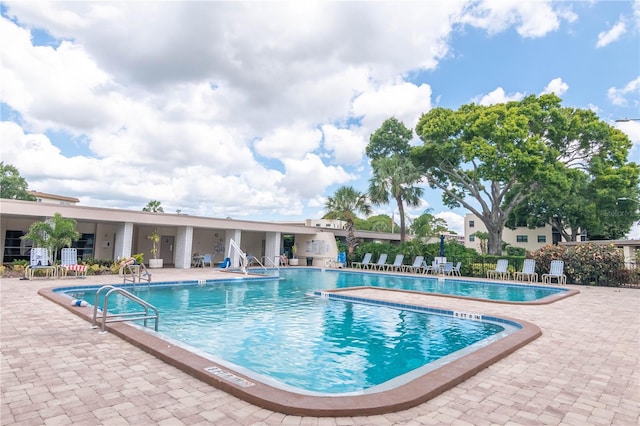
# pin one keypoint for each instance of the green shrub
(20, 262)
(516, 251)
(544, 255)
(587, 264)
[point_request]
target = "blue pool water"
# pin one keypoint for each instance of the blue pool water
(274, 331)
(456, 287)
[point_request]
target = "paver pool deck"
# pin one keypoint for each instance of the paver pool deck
(56, 370)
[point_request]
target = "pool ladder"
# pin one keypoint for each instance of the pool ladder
(149, 312)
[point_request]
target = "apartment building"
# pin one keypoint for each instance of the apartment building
(529, 239)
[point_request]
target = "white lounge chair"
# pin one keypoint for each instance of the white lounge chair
(447, 268)
(365, 262)
(501, 270)
(416, 267)
(397, 264)
(39, 261)
(434, 268)
(528, 272)
(69, 262)
(456, 269)
(381, 263)
(556, 271)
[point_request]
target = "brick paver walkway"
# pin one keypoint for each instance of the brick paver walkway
(56, 370)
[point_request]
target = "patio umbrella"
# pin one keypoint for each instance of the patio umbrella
(441, 245)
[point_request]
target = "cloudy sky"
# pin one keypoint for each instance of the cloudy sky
(260, 110)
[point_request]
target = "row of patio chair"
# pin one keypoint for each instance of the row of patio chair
(418, 266)
(40, 263)
(528, 272)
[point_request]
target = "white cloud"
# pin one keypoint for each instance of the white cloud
(531, 18)
(556, 86)
(224, 108)
(292, 142)
(632, 130)
(498, 96)
(455, 222)
(607, 37)
(346, 145)
(310, 176)
(402, 100)
(619, 96)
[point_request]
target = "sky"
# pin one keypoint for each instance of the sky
(262, 110)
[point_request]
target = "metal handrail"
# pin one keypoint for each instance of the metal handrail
(129, 316)
(260, 263)
(267, 259)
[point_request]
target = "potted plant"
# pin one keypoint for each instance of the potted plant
(155, 239)
(294, 260)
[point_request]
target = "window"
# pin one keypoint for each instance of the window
(542, 238)
(15, 248)
(472, 237)
(85, 246)
(522, 239)
(472, 223)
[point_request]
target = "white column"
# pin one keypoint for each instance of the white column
(124, 241)
(183, 245)
(272, 248)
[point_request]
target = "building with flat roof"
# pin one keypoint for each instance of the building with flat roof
(527, 238)
(43, 197)
(115, 233)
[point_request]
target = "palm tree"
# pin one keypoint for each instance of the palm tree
(153, 206)
(53, 234)
(343, 206)
(394, 177)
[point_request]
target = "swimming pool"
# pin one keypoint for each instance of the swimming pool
(275, 332)
(490, 291)
(270, 337)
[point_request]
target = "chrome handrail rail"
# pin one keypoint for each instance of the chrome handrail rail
(129, 316)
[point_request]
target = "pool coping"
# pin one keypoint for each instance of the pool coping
(405, 396)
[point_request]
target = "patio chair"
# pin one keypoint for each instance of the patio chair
(381, 263)
(528, 272)
(434, 268)
(501, 270)
(39, 261)
(69, 262)
(416, 266)
(556, 271)
(339, 262)
(447, 268)
(396, 266)
(365, 262)
(456, 269)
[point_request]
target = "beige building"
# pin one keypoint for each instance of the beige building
(116, 233)
(529, 239)
(43, 197)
